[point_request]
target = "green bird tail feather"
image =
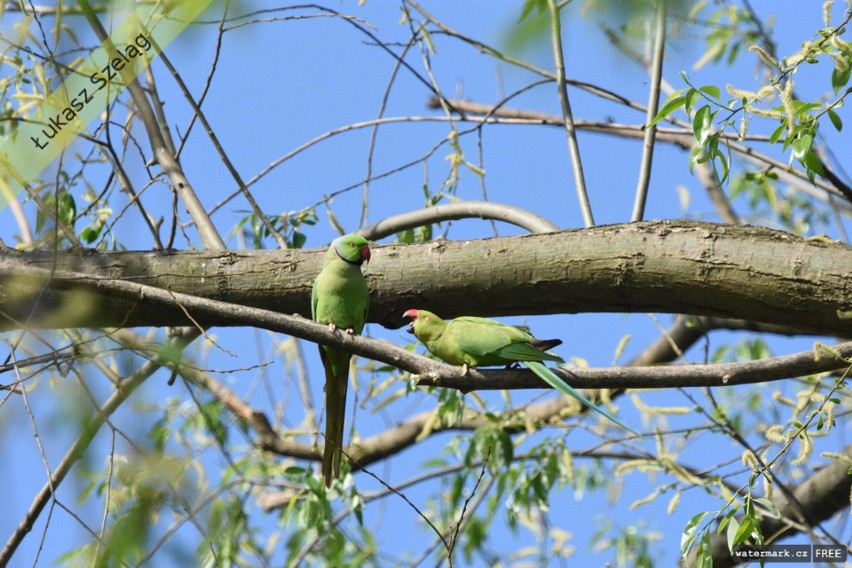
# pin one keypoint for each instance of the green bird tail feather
(336, 365)
(551, 378)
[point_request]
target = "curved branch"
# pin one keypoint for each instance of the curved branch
(405, 434)
(460, 210)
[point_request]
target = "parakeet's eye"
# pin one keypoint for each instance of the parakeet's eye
(425, 318)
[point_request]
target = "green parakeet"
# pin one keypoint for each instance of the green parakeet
(481, 342)
(340, 299)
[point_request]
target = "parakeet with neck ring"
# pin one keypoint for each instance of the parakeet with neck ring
(340, 299)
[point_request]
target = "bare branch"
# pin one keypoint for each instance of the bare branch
(567, 115)
(681, 136)
(653, 104)
(196, 108)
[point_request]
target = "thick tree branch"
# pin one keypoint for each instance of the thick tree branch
(665, 266)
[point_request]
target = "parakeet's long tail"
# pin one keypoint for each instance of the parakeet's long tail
(336, 384)
(553, 380)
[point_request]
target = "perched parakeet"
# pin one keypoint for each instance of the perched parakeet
(481, 342)
(340, 299)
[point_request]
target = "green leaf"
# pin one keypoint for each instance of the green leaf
(744, 531)
(733, 529)
(405, 237)
(91, 234)
(695, 156)
(674, 102)
(424, 233)
(839, 78)
(689, 100)
(704, 558)
(689, 532)
(67, 208)
(701, 124)
(801, 107)
(835, 120)
(717, 154)
(813, 164)
(801, 146)
(298, 240)
(777, 134)
(770, 507)
(711, 90)
(529, 5)
(505, 448)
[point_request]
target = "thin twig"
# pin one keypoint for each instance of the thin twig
(653, 104)
(462, 517)
(567, 116)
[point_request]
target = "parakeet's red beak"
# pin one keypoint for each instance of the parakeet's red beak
(365, 254)
(413, 315)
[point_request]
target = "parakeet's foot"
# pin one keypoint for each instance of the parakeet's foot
(465, 370)
(332, 328)
(350, 331)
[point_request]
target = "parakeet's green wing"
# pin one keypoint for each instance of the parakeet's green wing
(525, 352)
(479, 336)
(525, 332)
(482, 336)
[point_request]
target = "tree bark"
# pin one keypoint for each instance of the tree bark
(662, 266)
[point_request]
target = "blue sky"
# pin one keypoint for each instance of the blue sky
(279, 85)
